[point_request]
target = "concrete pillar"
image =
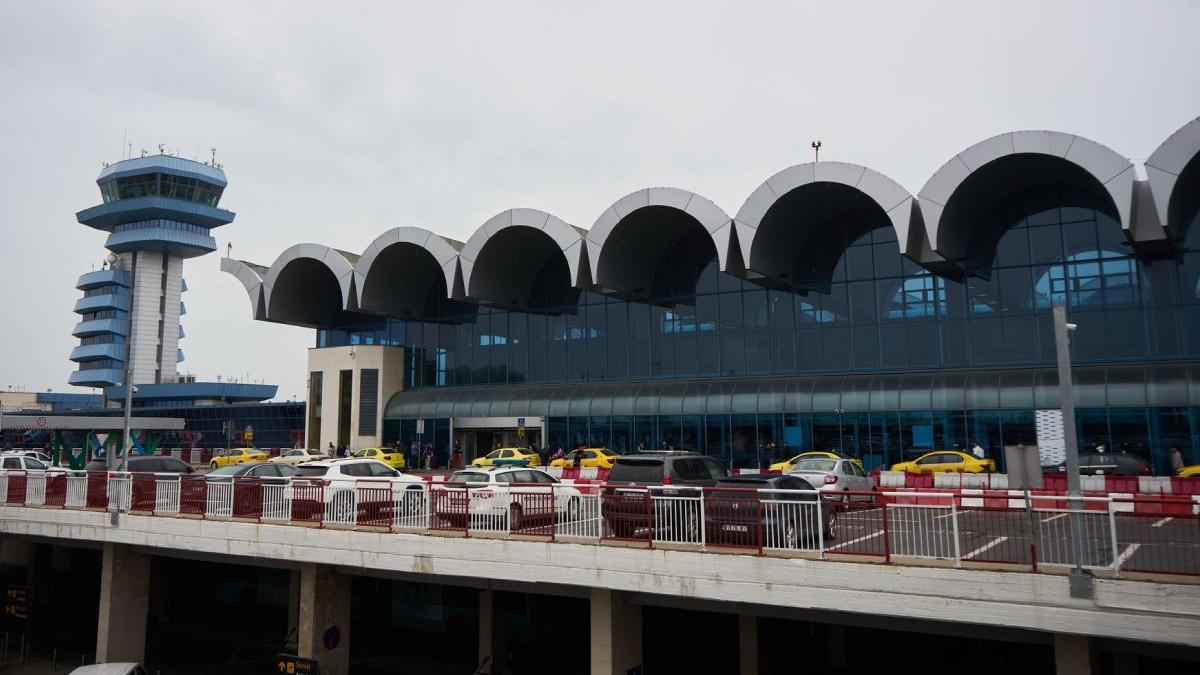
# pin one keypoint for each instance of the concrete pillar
(124, 603)
(616, 633)
(1072, 655)
(324, 627)
(493, 632)
(748, 644)
(293, 615)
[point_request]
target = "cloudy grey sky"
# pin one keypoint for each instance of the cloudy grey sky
(336, 121)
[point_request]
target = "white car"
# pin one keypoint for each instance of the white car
(26, 462)
(298, 456)
(110, 669)
(832, 476)
(511, 497)
(40, 456)
(351, 485)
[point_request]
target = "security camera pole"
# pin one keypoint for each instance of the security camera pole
(125, 444)
(1080, 579)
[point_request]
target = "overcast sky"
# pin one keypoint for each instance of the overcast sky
(338, 120)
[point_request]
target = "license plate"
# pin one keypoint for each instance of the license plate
(735, 528)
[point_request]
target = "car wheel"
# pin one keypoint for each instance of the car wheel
(574, 512)
(791, 534)
(691, 526)
(830, 525)
(515, 517)
(213, 466)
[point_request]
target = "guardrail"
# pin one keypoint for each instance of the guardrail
(1018, 530)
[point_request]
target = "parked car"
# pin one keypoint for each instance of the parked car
(15, 462)
(1191, 471)
(739, 506)
(494, 499)
(146, 464)
(598, 457)
(649, 474)
(832, 476)
(264, 470)
(509, 457)
(336, 481)
(789, 464)
(36, 454)
(390, 456)
(950, 461)
(110, 669)
(237, 456)
(1109, 464)
(298, 456)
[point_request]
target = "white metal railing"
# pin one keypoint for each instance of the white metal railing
(582, 517)
(119, 487)
(77, 484)
(676, 518)
(792, 524)
(218, 499)
(166, 495)
(35, 488)
(276, 502)
(924, 531)
(341, 505)
(411, 508)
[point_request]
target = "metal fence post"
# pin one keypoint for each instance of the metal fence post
(1112, 532)
(954, 530)
(703, 520)
(820, 526)
(887, 544)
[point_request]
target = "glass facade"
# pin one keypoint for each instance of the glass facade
(856, 307)
(161, 184)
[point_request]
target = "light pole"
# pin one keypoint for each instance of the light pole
(839, 412)
(1080, 579)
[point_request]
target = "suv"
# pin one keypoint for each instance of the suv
(656, 474)
(22, 462)
(775, 510)
(146, 464)
(1109, 464)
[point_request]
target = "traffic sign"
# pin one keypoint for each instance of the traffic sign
(17, 601)
(294, 665)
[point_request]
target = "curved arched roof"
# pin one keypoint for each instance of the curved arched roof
(711, 217)
(482, 281)
(442, 251)
(891, 198)
(251, 279)
(339, 263)
(1111, 171)
(1164, 168)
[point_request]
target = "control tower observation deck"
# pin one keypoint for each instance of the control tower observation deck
(158, 210)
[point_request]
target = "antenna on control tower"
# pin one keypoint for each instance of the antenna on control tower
(816, 146)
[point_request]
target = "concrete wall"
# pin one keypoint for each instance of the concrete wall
(330, 361)
(1132, 610)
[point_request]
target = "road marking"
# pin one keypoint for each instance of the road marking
(1127, 553)
(981, 549)
(1061, 515)
(854, 541)
(1164, 521)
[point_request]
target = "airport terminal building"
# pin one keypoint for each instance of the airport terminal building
(834, 309)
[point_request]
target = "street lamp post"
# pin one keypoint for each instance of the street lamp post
(839, 412)
(1080, 579)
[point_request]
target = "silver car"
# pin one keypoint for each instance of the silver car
(832, 476)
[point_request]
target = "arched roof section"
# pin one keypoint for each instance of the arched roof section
(251, 278)
(1173, 171)
(628, 238)
(310, 284)
(784, 214)
(502, 260)
(398, 271)
(990, 171)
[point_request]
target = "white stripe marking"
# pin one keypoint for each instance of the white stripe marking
(981, 549)
(1162, 522)
(854, 541)
(1127, 553)
(1061, 515)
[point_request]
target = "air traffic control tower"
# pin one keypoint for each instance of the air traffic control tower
(158, 210)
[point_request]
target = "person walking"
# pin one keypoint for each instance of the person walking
(331, 452)
(1176, 457)
(977, 450)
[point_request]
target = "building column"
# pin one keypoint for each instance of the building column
(748, 643)
(493, 633)
(124, 604)
(616, 633)
(1072, 655)
(324, 624)
(293, 616)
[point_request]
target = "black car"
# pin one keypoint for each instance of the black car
(1110, 464)
(657, 474)
(268, 471)
(146, 464)
(741, 511)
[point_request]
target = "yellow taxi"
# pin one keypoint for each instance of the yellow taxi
(1189, 471)
(601, 458)
(950, 461)
(509, 457)
(789, 464)
(390, 456)
(231, 456)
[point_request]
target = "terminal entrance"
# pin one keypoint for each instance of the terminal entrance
(480, 435)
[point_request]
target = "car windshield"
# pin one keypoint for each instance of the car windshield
(637, 471)
(360, 453)
(311, 470)
(468, 477)
(818, 465)
(232, 470)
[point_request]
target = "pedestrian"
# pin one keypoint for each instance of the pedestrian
(977, 450)
(331, 452)
(1100, 448)
(1176, 456)
(428, 456)
(414, 455)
